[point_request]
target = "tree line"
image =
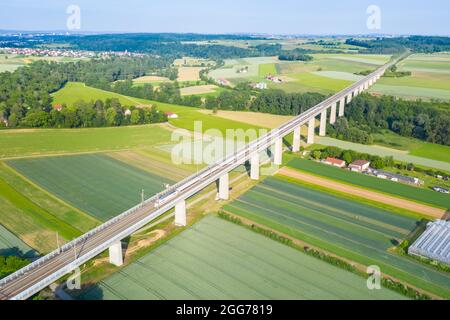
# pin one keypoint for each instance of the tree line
(28, 89)
(421, 44)
(83, 114)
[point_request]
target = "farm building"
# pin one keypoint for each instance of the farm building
(396, 177)
(274, 79)
(171, 115)
(335, 162)
(128, 112)
(223, 82)
(58, 107)
(359, 166)
(261, 85)
(434, 243)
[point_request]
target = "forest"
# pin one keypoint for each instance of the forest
(427, 121)
(418, 44)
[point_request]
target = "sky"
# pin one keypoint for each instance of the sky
(317, 17)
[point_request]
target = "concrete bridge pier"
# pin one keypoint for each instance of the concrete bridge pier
(116, 254)
(311, 128)
(323, 123)
(278, 153)
(180, 214)
(296, 142)
(254, 167)
(224, 187)
(349, 98)
(333, 113)
(342, 107)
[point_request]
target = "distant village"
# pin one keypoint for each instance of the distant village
(65, 53)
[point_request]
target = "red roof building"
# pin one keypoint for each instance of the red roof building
(360, 165)
(335, 162)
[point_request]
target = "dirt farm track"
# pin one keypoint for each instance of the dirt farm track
(363, 193)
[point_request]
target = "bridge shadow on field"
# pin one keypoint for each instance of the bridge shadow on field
(446, 216)
(16, 252)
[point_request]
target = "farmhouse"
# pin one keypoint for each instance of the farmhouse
(58, 107)
(434, 243)
(223, 82)
(359, 166)
(335, 162)
(261, 85)
(171, 115)
(274, 79)
(395, 177)
(128, 112)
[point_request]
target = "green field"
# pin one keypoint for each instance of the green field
(32, 142)
(267, 69)
(10, 245)
(10, 62)
(215, 259)
(430, 78)
(349, 229)
(187, 115)
(319, 83)
(393, 188)
(34, 225)
(75, 91)
(410, 92)
(97, 184)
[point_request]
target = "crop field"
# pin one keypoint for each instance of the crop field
(349, 229)
(431, 150)
(187, 115)
(402, 190)
(151, 79)
(189, 73)
(267, 69)
(430, 78)
(154, 160)
(97, 184)
(433, 63)
(326, 74)
(10, 245)
(371, 59)
(33, 142)
(263, 120)
(33, 224)
(199, 90)
(317, 83)
(10, 62)
(216, 259)
(229, 71)
(439, 152)
(411, 92)
(75, 91)
(339, 75)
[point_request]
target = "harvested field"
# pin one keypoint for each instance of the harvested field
(195, 90)
(264, 120)
(189, 73)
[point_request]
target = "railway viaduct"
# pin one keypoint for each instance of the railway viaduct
(44, 271)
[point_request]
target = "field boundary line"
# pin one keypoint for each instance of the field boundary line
(299, 244)
(21, 176)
